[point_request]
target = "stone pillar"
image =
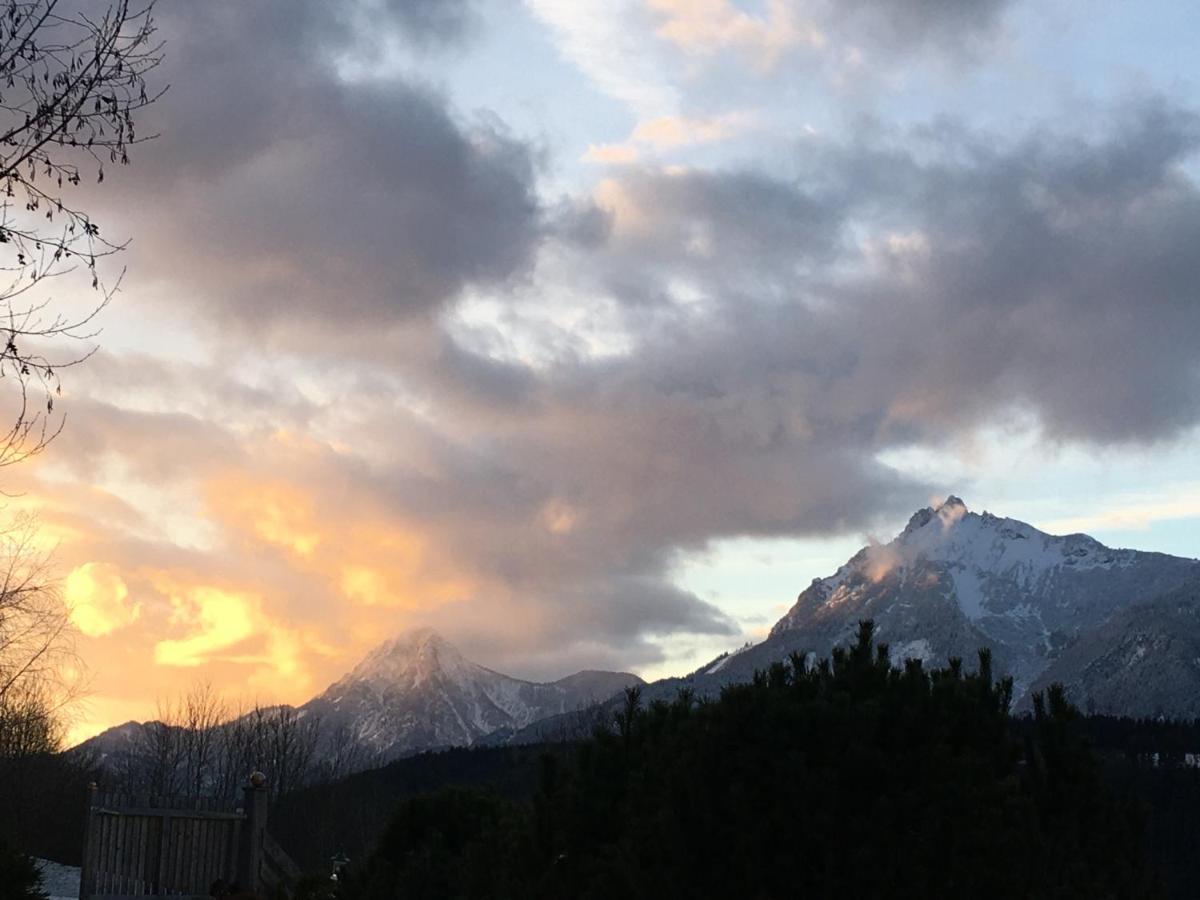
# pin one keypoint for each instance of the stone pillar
(250, 849)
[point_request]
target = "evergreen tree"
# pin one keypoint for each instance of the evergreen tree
(20, 878)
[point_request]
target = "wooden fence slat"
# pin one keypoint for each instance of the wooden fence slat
(119, 826)
(173, 868)
(122, 851)
(155, 858)
(206, 871)
(181, 871)
(148, 859)
(106, 851)
(194, 850)
(164, 871)
(139, 871)
(127, 851)
(210, 853)
(189, 854)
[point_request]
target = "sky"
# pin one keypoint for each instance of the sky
(588, 332)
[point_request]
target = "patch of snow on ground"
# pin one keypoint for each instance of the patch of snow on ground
(59, 881)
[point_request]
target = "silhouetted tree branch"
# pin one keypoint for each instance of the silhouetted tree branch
(72, 81)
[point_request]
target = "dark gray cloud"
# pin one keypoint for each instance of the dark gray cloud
(426, 21)
(739, 231)
(285, 185)
(905, 286)
(956, 27)
(1058, 275)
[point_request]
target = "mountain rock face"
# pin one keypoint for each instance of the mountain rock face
(1050, 609)
(1144, 661)
(116, 743)
(954, 581)
(418, 692)
(1119, 628)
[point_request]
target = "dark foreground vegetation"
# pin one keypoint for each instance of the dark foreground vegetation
(851, 779)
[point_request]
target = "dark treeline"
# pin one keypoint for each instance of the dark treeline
(1171, 741)
(850, 778)
(43, 799)
(42, 789)
(317, 822)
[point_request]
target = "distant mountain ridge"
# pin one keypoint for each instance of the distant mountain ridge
(1119, 628)
(413, 693)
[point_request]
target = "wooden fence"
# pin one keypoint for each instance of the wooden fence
(158, 846)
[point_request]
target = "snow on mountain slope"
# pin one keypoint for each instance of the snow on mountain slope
(418, 692)
(956, 580)
(1144, 661)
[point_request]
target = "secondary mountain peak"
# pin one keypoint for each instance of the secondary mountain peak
(414, 655)
(418, 692)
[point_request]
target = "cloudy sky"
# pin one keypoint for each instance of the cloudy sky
(590, 331)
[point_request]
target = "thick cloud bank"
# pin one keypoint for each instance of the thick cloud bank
(427, 387)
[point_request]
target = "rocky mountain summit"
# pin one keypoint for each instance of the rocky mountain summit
(1119, 628)
(417, 692)
(954, 581)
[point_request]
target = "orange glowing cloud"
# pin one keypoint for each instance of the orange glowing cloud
(667, 133)
(215, 620)
(98, 599)
(705, 27)
(276, 512)
(611, 154)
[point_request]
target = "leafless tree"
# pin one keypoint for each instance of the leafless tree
(72, 80)
(27, 727)
(294, 738)
(233, 753)
(202, 710)
(342, 754)
(279, 741)
(156, 766)
(202, 747)
(36, 651)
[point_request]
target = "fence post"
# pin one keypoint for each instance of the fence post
(87, 876)
(249, 867)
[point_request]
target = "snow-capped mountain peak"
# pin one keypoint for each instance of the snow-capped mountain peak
(1120, 628)
(982, 580)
